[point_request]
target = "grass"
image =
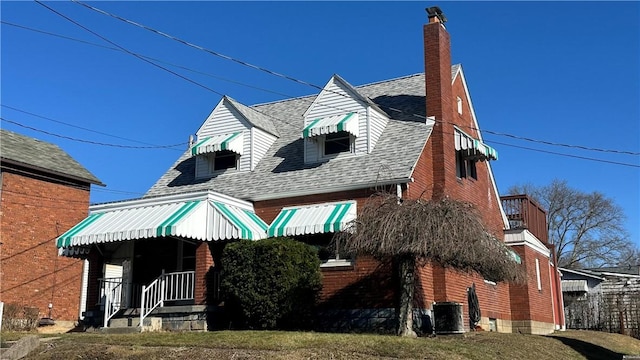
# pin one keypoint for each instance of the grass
(308, 345)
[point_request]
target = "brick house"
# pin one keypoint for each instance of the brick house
(44, 192)
(301, 168)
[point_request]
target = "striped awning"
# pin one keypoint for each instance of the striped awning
(232, 142)
(332, 124)
(574, 286)
(473, 147)
(205, 216)
(514, 255)
(313, 219)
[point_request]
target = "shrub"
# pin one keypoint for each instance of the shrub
(270, 284)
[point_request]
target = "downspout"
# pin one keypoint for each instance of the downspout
(552, 282)
(83, 289)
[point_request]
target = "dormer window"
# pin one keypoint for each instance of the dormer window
(218, 153)
(333, 135)
(223, 160)
(336, 143)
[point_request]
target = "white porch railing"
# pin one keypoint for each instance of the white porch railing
(112, 293)
(175, 286)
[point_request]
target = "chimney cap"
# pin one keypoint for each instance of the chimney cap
(436, 12)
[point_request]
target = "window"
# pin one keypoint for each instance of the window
(330, 251)
(223, 160)
(465, 166)
(336, 143)
(459, 101)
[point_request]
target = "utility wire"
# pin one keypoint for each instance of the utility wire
(150, 58)
(151, 62)
(215, 53)
(274, 73)
(80, 127)
(567, 155)
(89, 141)
(127, 51)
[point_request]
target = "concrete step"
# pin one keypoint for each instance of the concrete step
(150, 323)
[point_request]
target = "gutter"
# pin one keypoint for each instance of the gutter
(327, 190)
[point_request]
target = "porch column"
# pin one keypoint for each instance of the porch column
(95, 272)
(204, 262)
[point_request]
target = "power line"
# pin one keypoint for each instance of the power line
(79, 127)
(127, 51)
(215, 53)
(89, 141)
(150, 58)
(244, 63)
(151, 62)
(567, 155)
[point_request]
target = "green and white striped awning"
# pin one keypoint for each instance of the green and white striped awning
(472, 147)
(205, 216)
(232, 142)
(333, 124)
(313, 219)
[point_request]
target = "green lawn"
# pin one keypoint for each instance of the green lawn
(309, 345)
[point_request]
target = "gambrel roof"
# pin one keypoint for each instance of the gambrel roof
(282, 172)
(39, 155)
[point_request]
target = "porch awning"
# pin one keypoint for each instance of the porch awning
(205, 216)
(332, 124)
(232, 142)
(473, 147)
(313, 219)
(574, 286)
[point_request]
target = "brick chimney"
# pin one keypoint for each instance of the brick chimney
(439, 94)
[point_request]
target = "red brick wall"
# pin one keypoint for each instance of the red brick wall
(527, 302)
(204, 261)
(33, 213)
(451, 285)
(366, 284)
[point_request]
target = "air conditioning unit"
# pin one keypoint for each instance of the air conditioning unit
(448, 318)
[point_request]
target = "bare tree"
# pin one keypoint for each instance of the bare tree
(413, 232)
(586, 228)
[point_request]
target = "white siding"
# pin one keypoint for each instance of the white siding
(334, 100)
(222, 120)
(262, 141)
(377, 123)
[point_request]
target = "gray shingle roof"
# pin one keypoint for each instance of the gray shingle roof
(254, 117)
(282, 171)
(43, 156)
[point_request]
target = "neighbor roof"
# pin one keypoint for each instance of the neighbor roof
(42, 156)
(282, 172)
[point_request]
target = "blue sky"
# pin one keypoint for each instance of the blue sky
(562, 72)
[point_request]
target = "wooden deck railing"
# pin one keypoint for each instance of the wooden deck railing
(524, 213)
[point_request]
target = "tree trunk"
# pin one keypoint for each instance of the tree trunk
(406, 269)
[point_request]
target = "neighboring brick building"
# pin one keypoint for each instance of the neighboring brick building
(301, 168)
(44, 192)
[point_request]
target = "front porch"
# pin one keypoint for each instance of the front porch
(154, 282)
(157, 257)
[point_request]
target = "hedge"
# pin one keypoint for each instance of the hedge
(270, 284)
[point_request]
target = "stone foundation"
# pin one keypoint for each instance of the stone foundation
(532, 327)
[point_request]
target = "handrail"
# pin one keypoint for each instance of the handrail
(167, 287)
(112, 297)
